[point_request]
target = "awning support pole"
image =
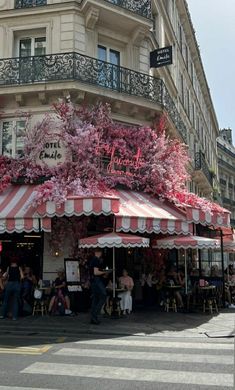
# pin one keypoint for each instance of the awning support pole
(222, 264)
(186, 272)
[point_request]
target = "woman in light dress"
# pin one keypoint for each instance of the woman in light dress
(126, 282)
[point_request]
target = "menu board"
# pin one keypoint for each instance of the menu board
(72, 271)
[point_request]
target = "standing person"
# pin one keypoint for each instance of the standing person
(98, 289)
(2, 284)
(126, 282)
(14, 275)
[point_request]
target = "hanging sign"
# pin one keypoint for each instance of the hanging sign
(161, 57)
(114, 163)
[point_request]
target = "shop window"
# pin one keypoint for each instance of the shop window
(109, 68)
(12, 138)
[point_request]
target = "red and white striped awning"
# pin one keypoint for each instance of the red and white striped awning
(186, 242)
(76, 205)
(16, 212)
(114, 240)
(205, 218)
(142, 213)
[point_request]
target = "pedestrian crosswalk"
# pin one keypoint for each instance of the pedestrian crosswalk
(156, 361)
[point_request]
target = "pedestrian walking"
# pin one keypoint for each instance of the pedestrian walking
(12, 290)
(98, 289)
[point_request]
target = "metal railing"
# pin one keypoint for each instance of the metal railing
(225, 163)
(227, 200)
(222, 181)
(141, 7)
(29, 3)
(201, 164)
(75, 66)
(232, 222)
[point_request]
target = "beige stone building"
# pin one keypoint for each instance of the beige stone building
(100, 49)
(226, 164)
(95, 50)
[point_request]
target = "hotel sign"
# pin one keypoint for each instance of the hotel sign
(161, 57)
(53, 153)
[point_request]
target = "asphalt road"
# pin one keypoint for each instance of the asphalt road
(92, 362)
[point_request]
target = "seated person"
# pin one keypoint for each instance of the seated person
(160, 283)
(182, 291)
(60, 291)
(172, 276)
(126, 282)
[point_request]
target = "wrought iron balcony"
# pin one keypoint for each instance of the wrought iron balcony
(29, 3)
(227, 200)
(201, 164)
(173, 113)
(141, 7)
(75, 66)
(232, 222)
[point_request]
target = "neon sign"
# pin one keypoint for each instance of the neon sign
(118, 164)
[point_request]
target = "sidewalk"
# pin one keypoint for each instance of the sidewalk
(155, 324)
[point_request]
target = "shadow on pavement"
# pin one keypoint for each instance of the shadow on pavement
(49, 330)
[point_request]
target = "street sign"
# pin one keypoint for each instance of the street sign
(161, 57)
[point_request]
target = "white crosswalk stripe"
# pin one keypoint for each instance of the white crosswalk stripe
(22, 388)
(173, 357)
(105, 359)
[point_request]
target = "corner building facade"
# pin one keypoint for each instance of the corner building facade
(99, 50)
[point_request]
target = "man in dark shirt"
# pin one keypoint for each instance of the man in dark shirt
(97, 286)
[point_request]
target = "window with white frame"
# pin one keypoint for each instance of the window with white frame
(12, 137)
(109, 68)
(30, 43)
(32, 46)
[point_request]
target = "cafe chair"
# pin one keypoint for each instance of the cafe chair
(39, 305)
(170, 304)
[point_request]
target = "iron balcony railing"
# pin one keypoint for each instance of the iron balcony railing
(75, 66)
(232, 222)
(226, 164)
(141, 7)
(29, 3)
(227, 200)
(201, 164)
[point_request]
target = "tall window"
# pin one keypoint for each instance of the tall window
(11, 138)
(182, 88)
(32, 46)
(109, 71)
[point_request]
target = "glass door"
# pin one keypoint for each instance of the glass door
(109, 67)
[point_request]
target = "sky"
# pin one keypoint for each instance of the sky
(214, 24)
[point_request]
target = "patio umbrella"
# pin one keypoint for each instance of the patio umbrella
(186, 242)
(114, 240)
